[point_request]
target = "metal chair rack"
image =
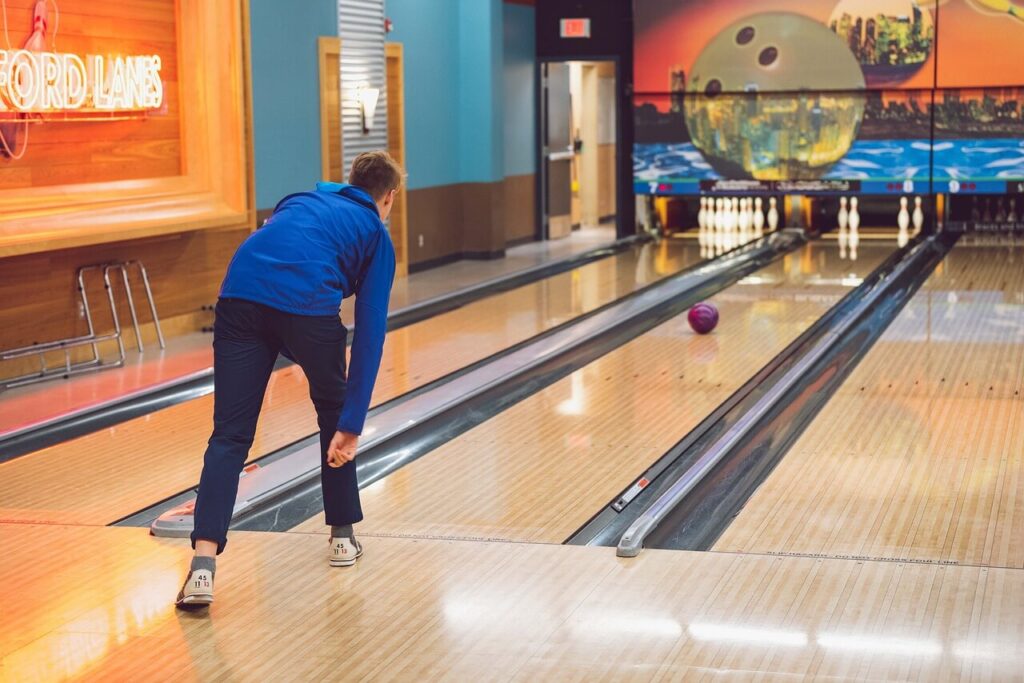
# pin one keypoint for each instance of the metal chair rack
(91, 339)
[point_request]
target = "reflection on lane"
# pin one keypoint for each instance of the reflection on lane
(538, 470)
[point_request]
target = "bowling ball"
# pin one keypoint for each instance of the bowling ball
(703, 317)
(775, 96)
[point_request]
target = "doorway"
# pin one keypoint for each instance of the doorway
(578, 148)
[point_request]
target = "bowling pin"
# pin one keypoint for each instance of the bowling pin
(844, 215)
(719, 215)
(918, 217)
(854, 218)
(903, 217)
(902, 223)
(744, 216)
(773, 214)
(37, 41)
(1012, 216)
(758, 217)
(702, 213)
(735, 214)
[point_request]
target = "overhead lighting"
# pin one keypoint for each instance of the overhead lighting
(368, 105)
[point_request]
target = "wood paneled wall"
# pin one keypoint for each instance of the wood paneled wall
(59, 152)
(90, 183)
(173, 190)
(41, 300)
(395, 75)
(331, 167)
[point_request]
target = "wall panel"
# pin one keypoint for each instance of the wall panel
(59, 152)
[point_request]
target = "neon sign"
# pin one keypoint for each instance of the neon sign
(48, 82)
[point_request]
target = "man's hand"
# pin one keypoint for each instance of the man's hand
(342, 449)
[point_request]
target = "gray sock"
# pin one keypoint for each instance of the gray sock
(207, 563)
(343, 531)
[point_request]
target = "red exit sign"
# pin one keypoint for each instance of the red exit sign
(575, 28)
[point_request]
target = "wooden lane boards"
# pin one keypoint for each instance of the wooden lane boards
(540, 469)
(103, 476)
(917, 457)
(419, 610)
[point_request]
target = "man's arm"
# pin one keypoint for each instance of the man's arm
(373, 294)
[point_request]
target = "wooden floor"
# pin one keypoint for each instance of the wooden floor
(539, 470)
(427, 284)
(31, 405)
(920, 455)
(104, 476)
(415, 610)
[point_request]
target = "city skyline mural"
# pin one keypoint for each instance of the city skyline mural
(834, 95)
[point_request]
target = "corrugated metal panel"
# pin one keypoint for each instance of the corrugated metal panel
(361, 27)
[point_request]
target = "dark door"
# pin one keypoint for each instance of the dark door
(556, 151)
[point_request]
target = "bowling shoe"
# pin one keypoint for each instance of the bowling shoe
(344, 551)
(197, 590)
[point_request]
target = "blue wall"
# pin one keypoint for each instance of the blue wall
(469, 94)
(519, 91)
(286, 93)
(481, 112)
(428, 31)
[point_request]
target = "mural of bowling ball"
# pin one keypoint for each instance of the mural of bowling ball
(892, 39)
(775, 96)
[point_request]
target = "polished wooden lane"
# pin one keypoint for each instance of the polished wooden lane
(104, 476)
(24, 407)
(539, 470)
(427, 284)
(919, 455)
(415, 610)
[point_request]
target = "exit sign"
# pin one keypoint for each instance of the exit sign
(575, 28)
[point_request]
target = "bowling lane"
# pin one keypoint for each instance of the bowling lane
(539, 470)
(919, 455)
(428, 610)
(102, 477)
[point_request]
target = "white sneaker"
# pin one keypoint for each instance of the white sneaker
(197, 590)
(344, 552)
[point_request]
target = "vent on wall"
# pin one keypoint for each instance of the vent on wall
(361, 28)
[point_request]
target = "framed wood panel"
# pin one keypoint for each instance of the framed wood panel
(395, 64)
(188, 169)
(331, 160)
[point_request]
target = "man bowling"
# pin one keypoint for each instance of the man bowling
(282, 294)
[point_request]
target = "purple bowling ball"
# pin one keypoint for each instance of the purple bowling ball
(703, 317)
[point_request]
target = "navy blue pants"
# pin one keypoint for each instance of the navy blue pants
(247, 338)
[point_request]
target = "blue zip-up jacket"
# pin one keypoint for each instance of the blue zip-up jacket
(315, 250)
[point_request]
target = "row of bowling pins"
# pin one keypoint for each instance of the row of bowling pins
(849, 228)
(849, 224)
(904, 219)
(725, 224)
(741, 214)
(850, 218)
